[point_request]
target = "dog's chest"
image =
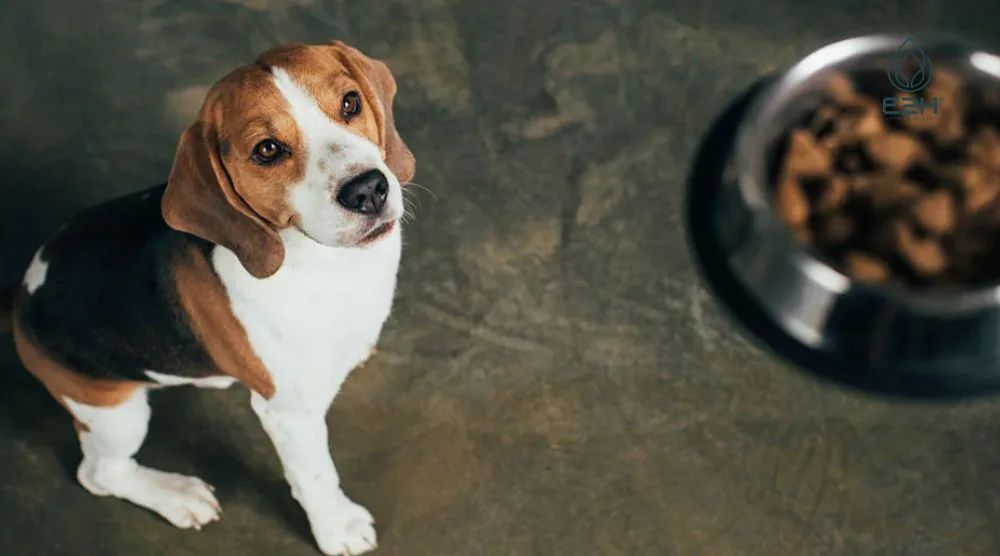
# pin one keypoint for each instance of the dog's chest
(319, 316)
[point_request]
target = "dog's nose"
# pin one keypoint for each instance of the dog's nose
(364, 194)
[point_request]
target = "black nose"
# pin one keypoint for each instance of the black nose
(364, 194)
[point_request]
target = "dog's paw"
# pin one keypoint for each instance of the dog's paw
(186, 502)
(345, 529)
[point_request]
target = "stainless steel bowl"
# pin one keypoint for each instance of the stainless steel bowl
(890, 340)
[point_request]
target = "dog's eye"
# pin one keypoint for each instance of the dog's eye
(267, 151)
(351, 105)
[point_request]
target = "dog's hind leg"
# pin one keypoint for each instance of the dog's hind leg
(112, 418)
(110, 438)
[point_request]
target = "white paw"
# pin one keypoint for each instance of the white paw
(186, 502)
(344, 529)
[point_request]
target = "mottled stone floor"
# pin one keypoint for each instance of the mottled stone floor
(555, 381)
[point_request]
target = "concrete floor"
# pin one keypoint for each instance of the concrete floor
(554, 381)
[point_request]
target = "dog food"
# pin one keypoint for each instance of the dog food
(911, 200)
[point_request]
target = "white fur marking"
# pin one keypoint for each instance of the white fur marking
(34, 277)
(113, 436)
(311, 323)
(221, 382)
(339, 525)
(334, 155)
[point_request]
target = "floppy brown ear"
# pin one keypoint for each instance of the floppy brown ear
(398, 157)
(200, 200)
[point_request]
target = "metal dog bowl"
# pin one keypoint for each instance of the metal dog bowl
(880, 339)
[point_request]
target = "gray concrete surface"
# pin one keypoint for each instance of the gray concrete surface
(554, 381)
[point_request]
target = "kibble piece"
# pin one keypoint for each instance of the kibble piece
(833, 195)
(984, 148)
(896, 150)
(806, 157)
(936, 212)
(866, 268)
(981, 197)
(871, 123)
(888, 191)
(851, 159)
(866, 122)
(824, 119)
(925, 256)
(840, 86)
(981, 188)
(793, 205)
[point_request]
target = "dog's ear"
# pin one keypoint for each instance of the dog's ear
(377, 79)
(201, 200)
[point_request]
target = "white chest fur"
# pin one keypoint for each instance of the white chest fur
(317, 318)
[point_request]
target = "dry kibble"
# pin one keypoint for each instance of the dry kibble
(834, 194)
(913, 200)
(867, 123)
(793, 204)
(806, 157)
(840, 86)
(896, 150)
(925, 256)
(984, 148)
(891, 191)
(978, 199)
(871, 123)
(973, 177)
(936, 212)
(824, 118)
(867, 268)
(981, 188)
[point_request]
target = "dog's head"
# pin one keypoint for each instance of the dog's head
(304, 137)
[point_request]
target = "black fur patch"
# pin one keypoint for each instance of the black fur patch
(108, 306)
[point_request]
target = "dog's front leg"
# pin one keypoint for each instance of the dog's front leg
(298, 431)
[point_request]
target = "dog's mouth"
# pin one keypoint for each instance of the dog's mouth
(378, 232)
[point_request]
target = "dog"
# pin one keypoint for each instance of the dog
(269, 258)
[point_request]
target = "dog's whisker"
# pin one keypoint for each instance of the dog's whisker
(409, 206)
(423, 187)
(412, 199)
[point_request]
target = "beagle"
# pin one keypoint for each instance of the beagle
(268, 258)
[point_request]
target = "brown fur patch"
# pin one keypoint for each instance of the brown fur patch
(320, 70)
(62, 382)
(204, 299)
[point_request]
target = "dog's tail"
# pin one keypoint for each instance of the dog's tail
(7, 308)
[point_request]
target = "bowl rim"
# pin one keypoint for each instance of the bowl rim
(752, 169)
